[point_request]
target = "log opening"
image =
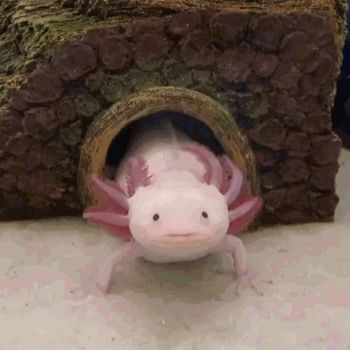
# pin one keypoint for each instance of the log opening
(192, 127)
(104, 130)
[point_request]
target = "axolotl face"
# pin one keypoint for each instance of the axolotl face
(178, 217)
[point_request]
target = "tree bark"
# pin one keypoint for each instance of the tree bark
(29, 29)
(272, 64)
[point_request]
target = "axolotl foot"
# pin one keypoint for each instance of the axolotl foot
(249, 280)
(246, 276)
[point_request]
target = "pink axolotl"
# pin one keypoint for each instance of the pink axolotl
(173, 200)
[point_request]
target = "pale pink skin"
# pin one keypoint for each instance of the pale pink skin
(176, 214)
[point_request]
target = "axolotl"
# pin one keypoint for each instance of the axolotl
(173, 200)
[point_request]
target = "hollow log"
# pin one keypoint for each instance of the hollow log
(271, 65)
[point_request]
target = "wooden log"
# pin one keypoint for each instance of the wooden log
(271, 65)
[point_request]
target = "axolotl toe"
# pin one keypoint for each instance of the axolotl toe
(172, 209)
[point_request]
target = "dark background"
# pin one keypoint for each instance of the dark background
(341, 110)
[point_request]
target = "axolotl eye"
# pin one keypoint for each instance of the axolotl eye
(205, 214)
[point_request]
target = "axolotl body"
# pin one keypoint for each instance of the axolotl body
(172, 199)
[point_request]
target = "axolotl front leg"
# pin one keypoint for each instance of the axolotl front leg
(245, 275)
(128, 252)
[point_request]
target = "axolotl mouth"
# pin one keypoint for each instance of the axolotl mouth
(184, 237)
(174, 235)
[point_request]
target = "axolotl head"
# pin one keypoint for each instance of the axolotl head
(179, 209)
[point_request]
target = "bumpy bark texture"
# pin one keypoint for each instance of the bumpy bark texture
(273, 65)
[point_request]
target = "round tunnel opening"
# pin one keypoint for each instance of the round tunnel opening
(191, 126)
(212, 124)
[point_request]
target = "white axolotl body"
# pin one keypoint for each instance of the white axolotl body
(174, 200)
(176, 195)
